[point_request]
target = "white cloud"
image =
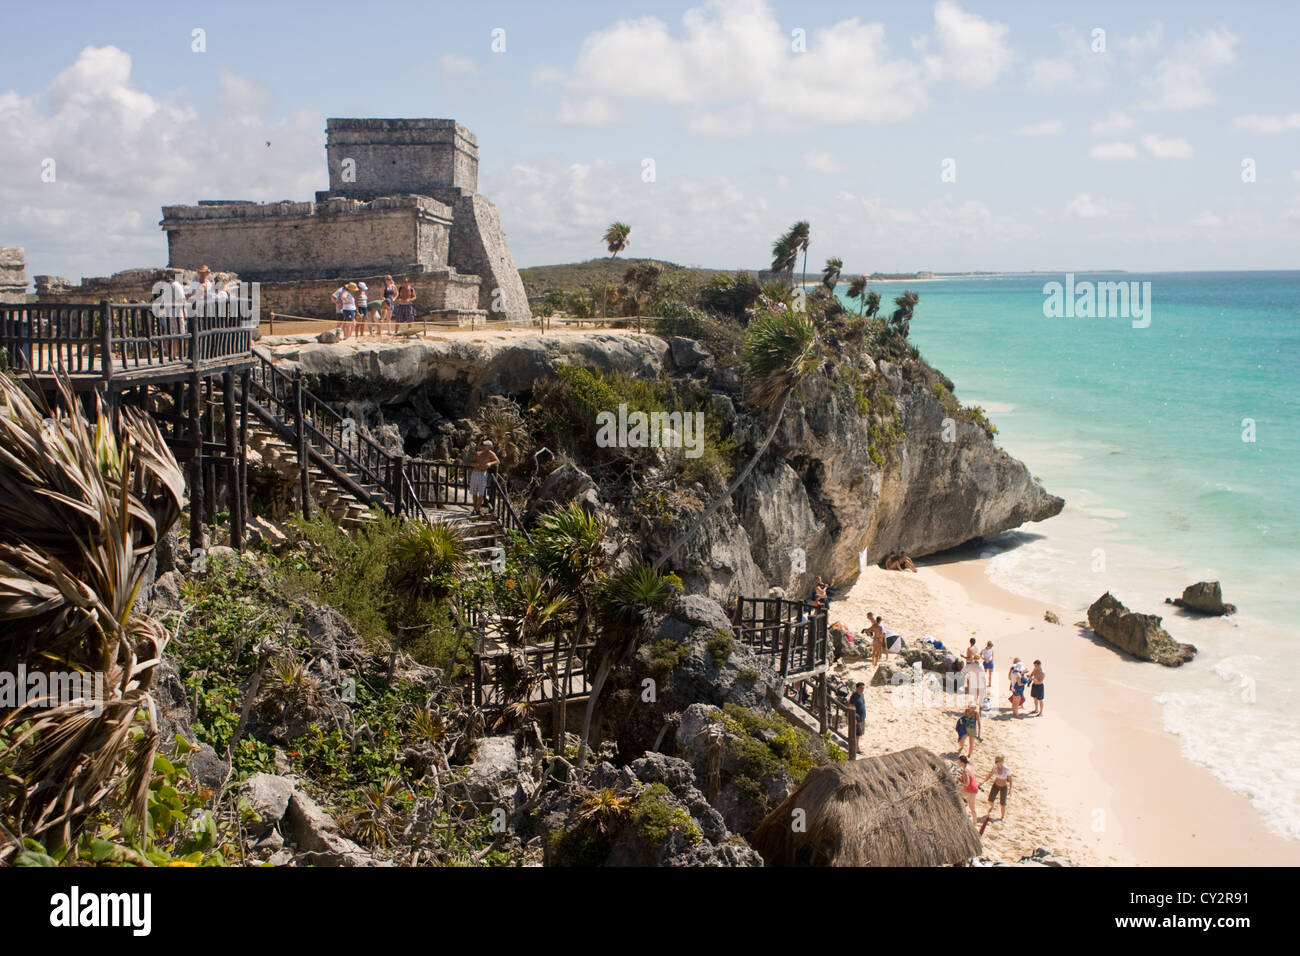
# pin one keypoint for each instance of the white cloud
(973, 51)
(1174, 147)
(1077, 69)
(1181, 81)
(732, 55)
(453, 66)
(1261, 123)
(1083, 206)
(121, 154)
(1207, 220)
(1045, 128)
(588, 111)
(1116, 122)
(1115, 150)
(819, 162)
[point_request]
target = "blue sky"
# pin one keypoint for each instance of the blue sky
(1065, 158)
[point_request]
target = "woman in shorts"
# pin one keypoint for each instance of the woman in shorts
(1001, 777)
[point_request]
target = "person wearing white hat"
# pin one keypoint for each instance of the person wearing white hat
(483, 459)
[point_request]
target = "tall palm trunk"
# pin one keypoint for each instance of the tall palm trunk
(731, 489)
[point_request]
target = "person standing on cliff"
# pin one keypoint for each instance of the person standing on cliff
(390, 296)
(405, 312)
(483, 459)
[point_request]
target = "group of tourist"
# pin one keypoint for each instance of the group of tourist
(357, 314)
(207, 294)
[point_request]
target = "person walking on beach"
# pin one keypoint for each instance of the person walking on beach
(1017, 689)
(1001, 777)
(973, 671)
(968, 728)
(969, 788)
(858, 701)
(987, 656)
(1036, 678)
(483, 459)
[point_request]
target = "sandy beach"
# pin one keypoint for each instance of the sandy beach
(1097, 778)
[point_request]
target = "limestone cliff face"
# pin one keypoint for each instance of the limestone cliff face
(816, 489)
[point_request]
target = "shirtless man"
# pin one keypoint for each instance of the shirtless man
(483, 459)
(877, 635)
(1036, 679)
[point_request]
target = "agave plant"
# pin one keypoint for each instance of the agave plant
(426, 559)
(82, 507)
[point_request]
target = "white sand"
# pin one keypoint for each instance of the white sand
(1096, 777)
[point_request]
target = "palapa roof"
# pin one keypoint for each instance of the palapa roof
(899, 809)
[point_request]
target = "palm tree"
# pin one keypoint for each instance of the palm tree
(831, 274)
(799, 239)
(82, 508)
(873, 303)
(628, 601)
(427, 560)
(569, 548)
(508, 432)
(784, 255)
(642, 279)
(901, 319)
(615, 238)
(858, 290)
(781, 351)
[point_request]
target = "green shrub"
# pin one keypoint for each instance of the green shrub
(720, 646)
(665, 655)
(654, 820)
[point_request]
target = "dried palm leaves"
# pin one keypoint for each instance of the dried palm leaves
(82, 507)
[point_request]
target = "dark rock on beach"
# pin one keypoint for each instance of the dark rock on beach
(1204, 597)
(1139, 634)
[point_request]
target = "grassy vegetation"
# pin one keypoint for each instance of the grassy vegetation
(572, 276)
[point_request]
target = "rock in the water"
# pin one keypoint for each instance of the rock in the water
(1139, 634)
(1204, 597)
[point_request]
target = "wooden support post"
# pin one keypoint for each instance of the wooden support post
(304, 460)
(823, 704)
(234, 493)
(853, 732)
(398, 490)
(785, 650)
(244, 513)
(209, 464)
(106, 342)
(196, 466)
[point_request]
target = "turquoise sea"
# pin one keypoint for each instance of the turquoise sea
(1177, 449)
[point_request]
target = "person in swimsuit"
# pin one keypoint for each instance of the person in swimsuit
(1017, 691)
(987, 656)
(967, 730)
(390, 296)
(969, 788)
(483, 459)
(877, 635)
(1036, 678)
(973, 672)
(820, 600)
(1001, 777)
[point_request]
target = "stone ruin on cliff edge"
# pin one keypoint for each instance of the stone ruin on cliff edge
(403, 200)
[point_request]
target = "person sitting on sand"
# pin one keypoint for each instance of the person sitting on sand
(1036, 678)
(969, 788)
(905, 563)
(890, 562)
(1001, 776)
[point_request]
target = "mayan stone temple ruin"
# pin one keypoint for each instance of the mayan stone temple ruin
(403, 200)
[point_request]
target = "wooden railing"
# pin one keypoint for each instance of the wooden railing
(491, 683)
(397, 484)
(791, 633)
(112, 340)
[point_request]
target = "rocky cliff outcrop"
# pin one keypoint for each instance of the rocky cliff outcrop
(828, 484)
(1139, 634)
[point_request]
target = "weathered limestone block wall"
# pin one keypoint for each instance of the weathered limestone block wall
(13, 274)
(286, 241)
(478, 245)
(395, 156)
(437, 291)
(129, 285)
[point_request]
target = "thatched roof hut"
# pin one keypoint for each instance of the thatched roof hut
(900, 809)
